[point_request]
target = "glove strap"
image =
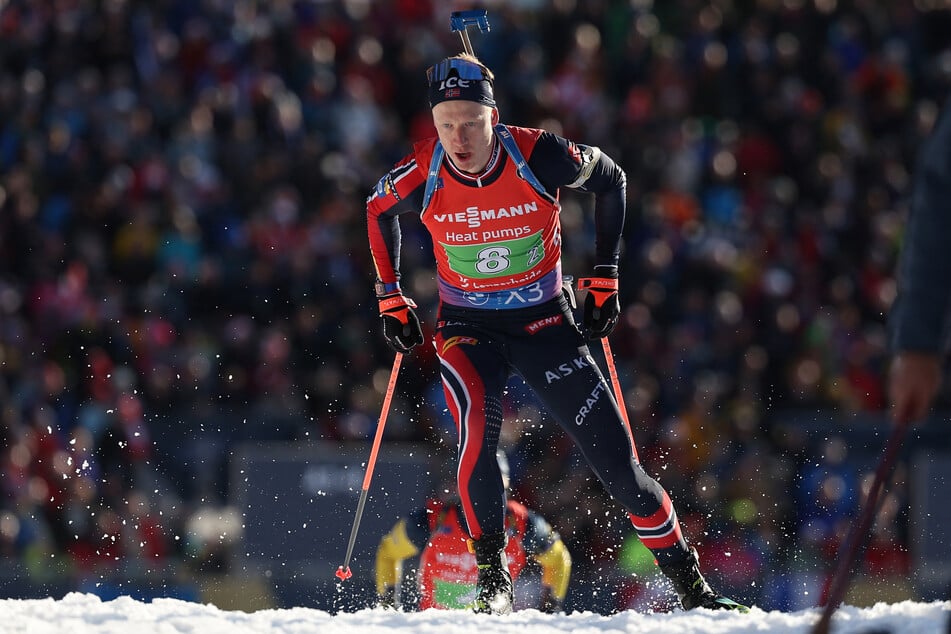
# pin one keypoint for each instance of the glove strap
(598, 283)
(601, 288)
(394, 303)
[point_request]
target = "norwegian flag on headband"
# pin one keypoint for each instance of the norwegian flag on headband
(453, 92)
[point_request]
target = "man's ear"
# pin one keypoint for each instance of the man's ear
(495, 116)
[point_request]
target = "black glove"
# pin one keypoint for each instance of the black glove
(601, 306)
(400, 324)
(548, 603)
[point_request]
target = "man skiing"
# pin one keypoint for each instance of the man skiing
(488, 195)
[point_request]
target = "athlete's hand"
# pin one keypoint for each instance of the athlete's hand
(401, 326)
(601, 306)
(913, 382)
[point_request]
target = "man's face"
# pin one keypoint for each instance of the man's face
(465, 131)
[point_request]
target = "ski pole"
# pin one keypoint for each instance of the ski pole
(343, 572)
(618, 394)
(859, 530)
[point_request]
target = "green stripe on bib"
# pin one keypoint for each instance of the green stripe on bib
(494, 259)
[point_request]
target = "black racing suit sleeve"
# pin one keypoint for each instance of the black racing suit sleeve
(399, 191)
(558, 162)
(919, 319)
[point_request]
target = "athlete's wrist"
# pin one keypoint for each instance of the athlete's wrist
(389, 288)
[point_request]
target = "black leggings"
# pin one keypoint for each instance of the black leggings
(479, 350)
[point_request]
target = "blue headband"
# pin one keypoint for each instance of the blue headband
(459, 79)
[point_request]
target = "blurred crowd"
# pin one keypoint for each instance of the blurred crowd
(184, 263)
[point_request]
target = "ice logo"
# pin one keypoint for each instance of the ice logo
(476, 299)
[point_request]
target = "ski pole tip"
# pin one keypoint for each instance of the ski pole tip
(344, 573)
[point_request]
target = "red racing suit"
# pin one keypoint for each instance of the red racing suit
(497, 244)
(511, 244)
(504, 252)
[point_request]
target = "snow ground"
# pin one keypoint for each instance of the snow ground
(78, 613)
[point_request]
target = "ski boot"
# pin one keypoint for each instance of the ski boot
(693, 590)
(494, 593)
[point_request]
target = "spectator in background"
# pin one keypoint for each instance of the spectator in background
(445, 571)
(921, 317)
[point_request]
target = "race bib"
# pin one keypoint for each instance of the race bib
(496, 259)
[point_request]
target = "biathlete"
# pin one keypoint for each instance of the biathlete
(488, 195)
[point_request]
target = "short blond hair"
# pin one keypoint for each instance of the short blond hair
(475, 60)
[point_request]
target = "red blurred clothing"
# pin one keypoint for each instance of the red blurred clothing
(447, 569)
